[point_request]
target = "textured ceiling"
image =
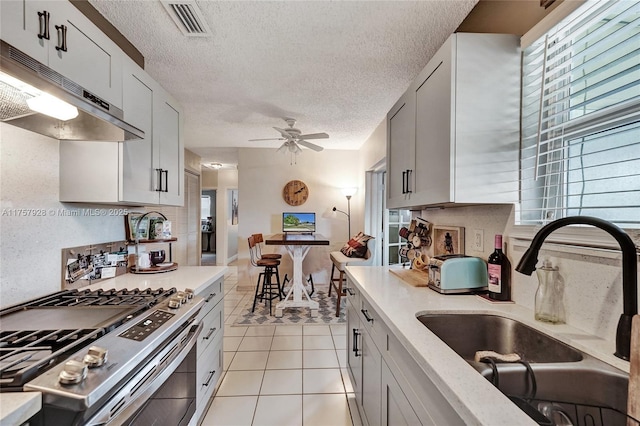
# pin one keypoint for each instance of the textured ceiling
(335, 66)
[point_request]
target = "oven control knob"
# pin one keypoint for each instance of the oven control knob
(174, 302)
(189, 293)
(73, 372)
(95, 357)
(182, 296)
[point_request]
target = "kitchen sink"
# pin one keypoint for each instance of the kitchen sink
(468, 333)
(586, 389)
(568, 386)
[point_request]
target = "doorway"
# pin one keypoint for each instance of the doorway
(208, 227)
(384, 224)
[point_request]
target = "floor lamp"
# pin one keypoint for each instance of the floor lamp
(348, 192)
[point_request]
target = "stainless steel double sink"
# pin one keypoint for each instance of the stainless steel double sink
(571, 387)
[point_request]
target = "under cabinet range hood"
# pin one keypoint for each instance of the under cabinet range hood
(24, 82)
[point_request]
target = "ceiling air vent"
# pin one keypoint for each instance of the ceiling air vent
(188, 17)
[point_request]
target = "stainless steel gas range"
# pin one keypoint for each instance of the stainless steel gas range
(104, 357)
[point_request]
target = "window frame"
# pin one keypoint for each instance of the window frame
(584, 236)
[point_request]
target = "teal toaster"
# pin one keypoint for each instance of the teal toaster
(457, 274)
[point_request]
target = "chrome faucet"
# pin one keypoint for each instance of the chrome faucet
(629, 271)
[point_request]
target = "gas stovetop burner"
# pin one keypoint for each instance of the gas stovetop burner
(37, 335)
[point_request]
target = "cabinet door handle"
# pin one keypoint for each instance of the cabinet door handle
(355, 349)
(366, 315)
(166, 181)
(350, 291)
(43, 18)
(62, 37)
(211, 331)
(404, 174)
(211, 374)
(159, 180)
(409, 172)
(211, 296)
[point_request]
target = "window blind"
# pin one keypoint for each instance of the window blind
(580, 123)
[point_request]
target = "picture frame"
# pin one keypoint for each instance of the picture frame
(155, 228)
(448, 240)
(131, 222)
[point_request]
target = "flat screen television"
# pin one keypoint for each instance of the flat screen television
(298, 222)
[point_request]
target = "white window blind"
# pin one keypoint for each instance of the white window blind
(580, 147)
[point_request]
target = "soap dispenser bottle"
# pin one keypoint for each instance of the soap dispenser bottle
(549, 304)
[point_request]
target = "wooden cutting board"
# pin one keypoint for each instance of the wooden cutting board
(633, 402)
(412, 277)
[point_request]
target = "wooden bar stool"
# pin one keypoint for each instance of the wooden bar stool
(266, 288)
(258, 240)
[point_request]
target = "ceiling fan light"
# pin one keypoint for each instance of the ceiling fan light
(293, 147)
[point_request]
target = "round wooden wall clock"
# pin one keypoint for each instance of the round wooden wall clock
(295, 193)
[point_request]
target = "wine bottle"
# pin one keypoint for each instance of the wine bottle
(499, 273)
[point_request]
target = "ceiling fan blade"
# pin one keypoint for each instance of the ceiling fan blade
(284, 133)
(268, 139)
(311, 146)
(314, 136)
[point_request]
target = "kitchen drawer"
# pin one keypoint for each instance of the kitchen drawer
(353, 294)
(371, 322)
(212, 295)
(209, 371)
(212, 326)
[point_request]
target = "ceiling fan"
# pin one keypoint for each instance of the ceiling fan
(293, 138)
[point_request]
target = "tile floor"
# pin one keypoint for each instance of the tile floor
(281, 375)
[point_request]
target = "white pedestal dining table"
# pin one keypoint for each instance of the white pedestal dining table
(297, 245)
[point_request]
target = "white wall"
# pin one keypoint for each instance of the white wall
(30, 246)
(262, 175)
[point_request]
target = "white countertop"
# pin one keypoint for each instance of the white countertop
(475, 399)
(196, 278)
(18, 407)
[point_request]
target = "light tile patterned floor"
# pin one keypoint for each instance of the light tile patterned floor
(281, 375)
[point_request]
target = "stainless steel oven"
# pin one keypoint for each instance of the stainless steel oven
(124, 357)
(162, 393)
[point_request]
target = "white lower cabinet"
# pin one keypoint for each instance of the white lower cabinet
(371, 370)
(210, 349)
(354, 352)
(396, 408)
(390, 388)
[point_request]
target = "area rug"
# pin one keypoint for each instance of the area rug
(293, 316)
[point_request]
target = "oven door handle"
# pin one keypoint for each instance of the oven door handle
(134, 397)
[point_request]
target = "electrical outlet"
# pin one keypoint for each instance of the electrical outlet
(478, 240)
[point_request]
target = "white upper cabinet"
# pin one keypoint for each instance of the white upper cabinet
(457, 140)
(170, 148)
(400, 149)
(152, 168)
(59, 36)
(138, 164)
(143, 172)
